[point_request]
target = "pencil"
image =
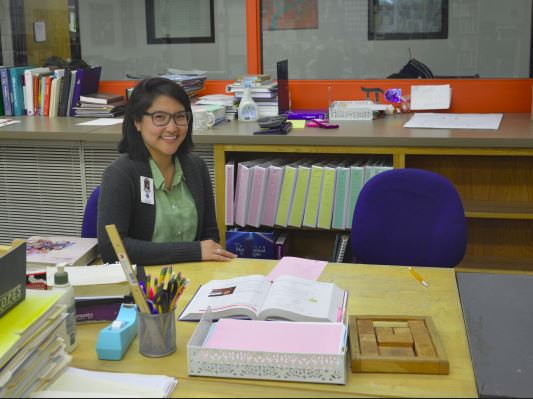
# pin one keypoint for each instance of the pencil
(418, 277)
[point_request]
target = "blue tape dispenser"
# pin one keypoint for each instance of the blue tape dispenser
(114, 340)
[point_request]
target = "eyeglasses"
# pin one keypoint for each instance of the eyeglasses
(161, 118)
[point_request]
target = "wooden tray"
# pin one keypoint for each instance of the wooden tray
(396, 344)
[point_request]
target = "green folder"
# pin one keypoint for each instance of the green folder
(341, 200)
(325, 212)
(296, 213)
(313, 195)
(286, 196)
(357, 180)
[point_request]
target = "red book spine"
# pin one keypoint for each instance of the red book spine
(47, 90)
(35, 95)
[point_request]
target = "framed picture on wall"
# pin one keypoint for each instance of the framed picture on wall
(180, 21)
(407, 19)
(289, 14)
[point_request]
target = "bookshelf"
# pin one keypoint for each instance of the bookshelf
(493, 172)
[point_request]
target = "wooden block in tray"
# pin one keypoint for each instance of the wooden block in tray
(396, 344)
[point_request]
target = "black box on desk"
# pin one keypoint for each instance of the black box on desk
(12, 278)
(251, 244)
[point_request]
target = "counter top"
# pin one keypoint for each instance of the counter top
(516, 131)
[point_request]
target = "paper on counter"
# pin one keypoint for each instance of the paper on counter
(299, 267)
(102, 122)
(431, 97)
(455, 121)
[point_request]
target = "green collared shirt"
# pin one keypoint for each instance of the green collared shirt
(176, 217)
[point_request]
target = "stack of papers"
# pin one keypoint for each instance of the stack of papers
(32, 353)
(455, 121)
(94, 281)
(78, 383)
(6, 122)
(277, 337)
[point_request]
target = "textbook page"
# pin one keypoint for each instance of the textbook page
(299, 299)
(241, 296)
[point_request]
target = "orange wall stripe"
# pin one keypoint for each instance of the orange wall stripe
(468, 95)
(253, 35)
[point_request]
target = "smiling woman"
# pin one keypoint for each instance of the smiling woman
(159, 194)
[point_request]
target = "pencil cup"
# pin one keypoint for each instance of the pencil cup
(157, 334)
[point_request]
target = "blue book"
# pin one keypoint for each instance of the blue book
(16, 75)
(6, 92)
(87, 80)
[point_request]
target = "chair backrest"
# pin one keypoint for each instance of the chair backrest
(88, 227)
(409, 217)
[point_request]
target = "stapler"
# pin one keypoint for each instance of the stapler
(114, 340)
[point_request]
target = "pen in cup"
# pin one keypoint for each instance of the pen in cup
(418, 277)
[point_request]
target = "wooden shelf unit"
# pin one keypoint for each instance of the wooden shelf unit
(496, 186)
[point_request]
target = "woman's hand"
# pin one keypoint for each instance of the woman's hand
(213, 251)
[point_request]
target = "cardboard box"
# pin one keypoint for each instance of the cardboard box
(251, 244)
(12, 278)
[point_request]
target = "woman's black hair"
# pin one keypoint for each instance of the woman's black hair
(142, 98)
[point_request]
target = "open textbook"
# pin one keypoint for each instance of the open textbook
(256, 297)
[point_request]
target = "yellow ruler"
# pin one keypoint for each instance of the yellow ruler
(118, 246)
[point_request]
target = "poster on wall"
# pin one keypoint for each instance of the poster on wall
(289, 14)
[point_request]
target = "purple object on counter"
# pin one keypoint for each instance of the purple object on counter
(393, 95)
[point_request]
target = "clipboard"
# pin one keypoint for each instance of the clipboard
(124, 260)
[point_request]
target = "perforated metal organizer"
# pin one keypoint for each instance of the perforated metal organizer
(327, 369)
(354, 110)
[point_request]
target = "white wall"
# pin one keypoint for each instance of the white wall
(487, 37)
(113, 34)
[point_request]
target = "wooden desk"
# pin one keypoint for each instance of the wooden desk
(499, 318)
(373, 290)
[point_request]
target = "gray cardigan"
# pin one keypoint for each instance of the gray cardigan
(120, 203)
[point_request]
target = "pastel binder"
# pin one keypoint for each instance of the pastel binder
(325, 210)
(341, 198)
(242, 195)
(357, 180)
(287, 193)
(257, 194)
(296, 213)
(313, 195)
(272, 194)
(229, 217)
(245, 175)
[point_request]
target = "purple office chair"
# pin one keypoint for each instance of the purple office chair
(409, 217)
(88, 226)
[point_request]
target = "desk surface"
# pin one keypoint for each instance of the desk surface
(516, 131)
(498, 314)
(373, 290)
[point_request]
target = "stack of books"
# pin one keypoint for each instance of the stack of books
(45, 91)
(100, 105)
(99, 290)
(263, 89)
(43, 251)
(191, 81)
(232, 106)
(32, 350)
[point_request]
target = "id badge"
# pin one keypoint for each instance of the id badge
(147, 190)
